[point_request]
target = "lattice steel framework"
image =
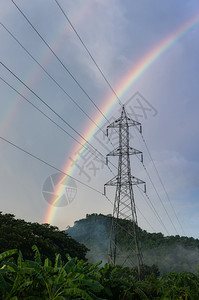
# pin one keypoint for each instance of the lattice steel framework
(124, 206)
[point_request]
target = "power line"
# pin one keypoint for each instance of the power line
(153, 209)
(89, 53)
(159, 198)
(71, 73)
(57, 169)
(53, 79)
(41, 111)
(45, 103)
(60, 61)
(162, 183)
(108, 83)
(58, 127)
(149, 154)
(50, 76)
(101, 155)
(145, 218)
(48, 164)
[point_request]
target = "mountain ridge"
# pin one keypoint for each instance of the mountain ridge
(169, 253)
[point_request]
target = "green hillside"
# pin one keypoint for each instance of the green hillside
(169, 253)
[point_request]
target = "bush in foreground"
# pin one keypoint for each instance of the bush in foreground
(77, 279)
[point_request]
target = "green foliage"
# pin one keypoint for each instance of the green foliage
(71, 280)
(184, 286)
(115, 280)
(49, 239)
(77, 279)
(145, 271)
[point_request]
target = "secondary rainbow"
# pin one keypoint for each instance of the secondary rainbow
(34, 74)
(135, 72)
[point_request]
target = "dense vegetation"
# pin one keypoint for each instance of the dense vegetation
(169, 253)
(49, 239)
(77, 279)
(48, 275)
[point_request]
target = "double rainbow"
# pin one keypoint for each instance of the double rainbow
(131, 77)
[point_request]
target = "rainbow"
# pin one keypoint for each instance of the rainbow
(131, 77)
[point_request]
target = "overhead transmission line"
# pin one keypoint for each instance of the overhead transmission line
(158, 195)
(25, 98)
(163, 186)
(60, 61)
(153, 209)
(49, 107)
(89, 53)
(48, 164)
(155, 189)
(45, 103)
(110, 86)
(59, 170)
(63, 65)
(51, 119)
(50, 76)
(14, 37)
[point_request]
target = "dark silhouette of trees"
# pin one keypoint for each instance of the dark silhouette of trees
(18, 234)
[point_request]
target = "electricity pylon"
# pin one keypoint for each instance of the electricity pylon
(124, 206)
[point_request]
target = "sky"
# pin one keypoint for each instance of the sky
(121, 36)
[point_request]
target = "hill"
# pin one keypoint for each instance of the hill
(169, 253)
(18, 234)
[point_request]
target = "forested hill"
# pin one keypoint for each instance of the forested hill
(169, 253)
(22, 235)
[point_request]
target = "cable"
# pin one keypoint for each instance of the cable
(51, 77)
(41, 111)
(153, 209)
(49, 107)
(60, 61)
(89, 53)
(162, 184)
(48, 164)
(156, 189)
(101, 72)
(101, 155)
(45, 103)
(55, 168)
(145, 218)
(61, 129)
(159, 198)
(69, 71)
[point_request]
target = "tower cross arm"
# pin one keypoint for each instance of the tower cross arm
(113, 181)
(133, 122)
(136, 181)
(118, 151)
(123, 123)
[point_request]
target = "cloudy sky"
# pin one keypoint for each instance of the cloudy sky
(164, 98)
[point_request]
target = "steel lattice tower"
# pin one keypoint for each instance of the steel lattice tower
(124, 206)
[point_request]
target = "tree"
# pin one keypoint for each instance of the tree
(49, 239)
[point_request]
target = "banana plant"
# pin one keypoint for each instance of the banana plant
(72, 280)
